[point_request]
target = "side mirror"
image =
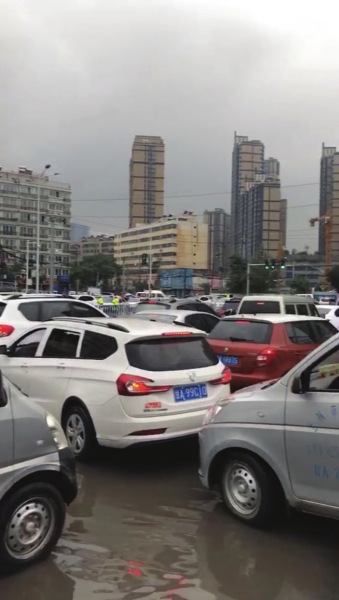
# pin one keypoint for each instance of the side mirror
(3, 395)
(3, 349)
(301, 384)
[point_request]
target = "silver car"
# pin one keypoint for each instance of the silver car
(277, 444)
(37, 480)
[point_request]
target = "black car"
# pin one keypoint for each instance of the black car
(192, 304)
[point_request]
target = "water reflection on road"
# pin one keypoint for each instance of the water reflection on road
(142, 528)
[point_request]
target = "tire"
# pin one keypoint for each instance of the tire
(32, 507)
(84, 443)
(250, 491)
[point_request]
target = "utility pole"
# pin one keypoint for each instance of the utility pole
(123, 276)
(37, 266)
(150, 260)
(27, 264)
(51, 270)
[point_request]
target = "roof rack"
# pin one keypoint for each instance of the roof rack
(90, 322)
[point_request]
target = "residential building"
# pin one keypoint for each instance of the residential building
(91, 246)
(19, 193)
(172, 242)
(283, 222)
(271, 168)
(146, 180)
(218, 246)
(261, 218)
(329, 200)
(79, 231)
(247, 162)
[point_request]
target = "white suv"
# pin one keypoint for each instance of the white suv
(118, 381)
(20, 312)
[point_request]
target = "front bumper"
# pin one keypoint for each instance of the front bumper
(69, 484)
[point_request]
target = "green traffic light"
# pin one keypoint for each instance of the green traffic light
(282, 266)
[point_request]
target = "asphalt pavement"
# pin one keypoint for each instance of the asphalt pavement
(142, 528)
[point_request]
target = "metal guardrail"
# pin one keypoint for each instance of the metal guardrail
(119, 310)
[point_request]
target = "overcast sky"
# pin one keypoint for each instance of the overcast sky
(80, 78)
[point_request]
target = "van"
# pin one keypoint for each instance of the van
(276, 444)
(277, 304)
(37, 479)
(158, 294)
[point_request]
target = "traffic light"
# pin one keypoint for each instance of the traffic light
(267, 264)
(282, 264)
(273, 264)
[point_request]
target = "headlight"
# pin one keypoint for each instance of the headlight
(57, 432)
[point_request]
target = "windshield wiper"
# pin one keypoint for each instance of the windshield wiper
(236, 339)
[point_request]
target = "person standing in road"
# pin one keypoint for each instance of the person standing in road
(100, 301)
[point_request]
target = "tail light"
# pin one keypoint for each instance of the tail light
(6, 330)
(225, 378)
(132, 385)
(266, 357)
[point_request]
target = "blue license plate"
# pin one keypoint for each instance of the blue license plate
(190, 392)
(232, 361)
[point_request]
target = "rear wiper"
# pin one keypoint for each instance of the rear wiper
(236, 339)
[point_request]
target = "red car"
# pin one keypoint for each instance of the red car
(266, 347)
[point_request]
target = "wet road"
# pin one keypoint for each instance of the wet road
(143, 529)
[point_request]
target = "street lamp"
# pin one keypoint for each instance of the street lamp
(37, 278)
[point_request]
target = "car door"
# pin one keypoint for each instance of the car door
(50, 372)
(20, 355)
(302, 340)
(312, 432)
(6, 438)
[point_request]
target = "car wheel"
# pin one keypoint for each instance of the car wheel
(250, 491)
(31, 523)
(79, 432)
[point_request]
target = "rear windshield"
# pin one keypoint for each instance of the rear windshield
(242, 331)
(171, 354)
(150, 306)
(255, 307)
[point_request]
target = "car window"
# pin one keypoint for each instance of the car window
(257, 332)
(301, 332)
(313, 310)
(325, 375)
(27, 346)
(85, 310)
(196, 306)
(257, 307)
(211, 322)
(302, 310)
(290, 309)
(2, 307)
(30, 310)
(61, 344)
(97, 346)
(196, 321)
(53, 309)
(170, 354)
(324, 330)
(86, 298)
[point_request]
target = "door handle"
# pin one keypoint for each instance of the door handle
(61, 366)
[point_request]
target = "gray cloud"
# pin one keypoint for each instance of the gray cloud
(81, 77)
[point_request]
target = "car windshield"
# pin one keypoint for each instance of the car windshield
(255, 307)
(256, 332)
(170, 354)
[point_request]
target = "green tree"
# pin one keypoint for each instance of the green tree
(237, 275)
(300, 285)
(262, 280)
(332, 277)
(94, 269)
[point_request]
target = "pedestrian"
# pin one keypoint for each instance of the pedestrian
(100, 301)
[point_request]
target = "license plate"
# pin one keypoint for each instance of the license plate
(190, 392)
(229, 360)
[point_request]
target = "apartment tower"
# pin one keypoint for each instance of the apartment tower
(247, 161)
(146, 180)
(218, 246)
(329, 199)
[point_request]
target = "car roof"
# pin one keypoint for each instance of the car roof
(171, 313)
(133, 326)
(35, 298)
(272, 318)
(278, 297)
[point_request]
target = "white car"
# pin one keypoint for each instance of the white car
(20, 312)
(118, 382)
(199, 320)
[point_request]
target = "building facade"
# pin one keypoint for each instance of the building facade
(261, 218)
(247, 162)
(272, 168)
(91, 246)
(172, 242)
(218, 247)
(79, 231)
(329, 200)
(19, 196)
(146, 180)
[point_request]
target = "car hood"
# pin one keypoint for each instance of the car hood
(253, 389)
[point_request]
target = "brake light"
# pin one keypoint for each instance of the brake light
(132, 385)
(242, 322)
(266, 357)
(176, 333)
(6, 330)
(225, 378)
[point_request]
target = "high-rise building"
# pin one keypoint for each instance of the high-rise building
(146, 180)
(283, 222)
(272, 168)
(247, 162)
(79, 231)
(263, 218)
(19, 194)
(328, 166)
(218, 246)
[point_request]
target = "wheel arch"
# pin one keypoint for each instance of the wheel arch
(55, 478)
(73, 401)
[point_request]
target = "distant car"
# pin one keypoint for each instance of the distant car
(192, 304)
(260, 348)
(118, 382)
(199, 320)
(274, 304)
(229, 307)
